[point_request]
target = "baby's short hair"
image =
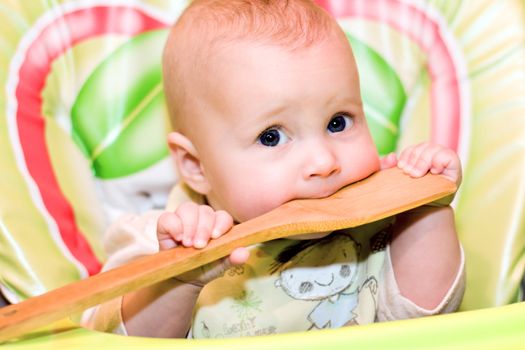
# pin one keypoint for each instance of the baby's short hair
(291, 23)
(207, 24)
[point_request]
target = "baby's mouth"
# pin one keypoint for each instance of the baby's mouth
(325, 190)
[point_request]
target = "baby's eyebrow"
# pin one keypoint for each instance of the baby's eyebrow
(259, 120)
(272, 111)
(344, 100)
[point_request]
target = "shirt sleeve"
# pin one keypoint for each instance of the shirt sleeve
(394, 306)
(127, 239)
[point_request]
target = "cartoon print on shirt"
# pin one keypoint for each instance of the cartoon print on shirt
(246, 304)
(328, 270)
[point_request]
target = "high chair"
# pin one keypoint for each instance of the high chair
(82, 125)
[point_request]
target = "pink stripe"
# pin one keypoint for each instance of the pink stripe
(425, 31)
(54, 40)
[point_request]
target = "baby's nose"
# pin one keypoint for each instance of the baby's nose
(321, 162)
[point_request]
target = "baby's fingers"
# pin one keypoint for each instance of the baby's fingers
(417, 161)
(189, 214)
(169, 226)
(208, 224)
(410, 155)
(204, 226)
(448, 164)
(425, 161)
(223, 223)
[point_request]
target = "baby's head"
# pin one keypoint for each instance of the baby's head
(265, 104)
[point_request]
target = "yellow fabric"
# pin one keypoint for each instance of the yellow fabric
(494, 328)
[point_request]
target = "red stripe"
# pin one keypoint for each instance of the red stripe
(53, 41)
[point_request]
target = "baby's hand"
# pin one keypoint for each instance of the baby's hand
(418, 160)
(193, 225)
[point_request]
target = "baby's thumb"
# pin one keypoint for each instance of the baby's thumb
(389, 161)
(239, 256)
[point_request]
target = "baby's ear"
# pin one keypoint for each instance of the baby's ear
(188, 162)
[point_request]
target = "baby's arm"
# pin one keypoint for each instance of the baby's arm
(165, 309)
(425, 250)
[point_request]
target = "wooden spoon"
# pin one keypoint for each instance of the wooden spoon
(381, 195)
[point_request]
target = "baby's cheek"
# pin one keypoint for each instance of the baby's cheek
(256, 204)
(261, 197)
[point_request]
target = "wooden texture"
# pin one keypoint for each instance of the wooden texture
(383, 194)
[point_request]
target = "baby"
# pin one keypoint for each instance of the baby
(265, 106)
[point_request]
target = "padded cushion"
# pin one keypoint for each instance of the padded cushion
(82, 121)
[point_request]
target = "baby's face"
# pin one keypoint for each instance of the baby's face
(274, 125)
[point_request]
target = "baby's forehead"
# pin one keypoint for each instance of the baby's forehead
(209, 28)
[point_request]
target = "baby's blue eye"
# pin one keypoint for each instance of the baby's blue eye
(272, 137)
(340, 122)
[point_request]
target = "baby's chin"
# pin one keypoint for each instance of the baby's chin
(307, 236)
